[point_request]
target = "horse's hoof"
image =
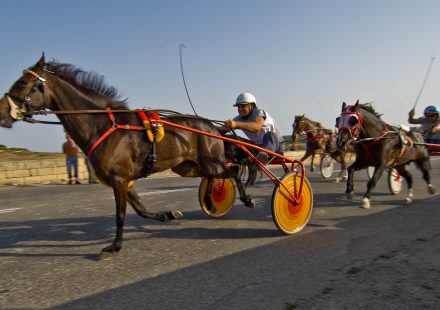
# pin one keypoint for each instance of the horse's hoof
(106, 255)
(409, 200)
(250, 203)
(345, 178)
(431, 189)
(337, 180)
(312, 169)
(175, 214)
(365, 204)
(109, 252)
(349, 195)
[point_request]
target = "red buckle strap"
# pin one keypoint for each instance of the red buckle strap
(110, 130)
(316, 138)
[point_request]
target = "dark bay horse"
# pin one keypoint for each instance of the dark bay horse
(319, 140)
(382, 146)
(124, 155)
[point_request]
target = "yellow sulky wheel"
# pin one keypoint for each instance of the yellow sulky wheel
(222, 196)
(288, 217)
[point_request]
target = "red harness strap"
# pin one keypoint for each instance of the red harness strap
(368, 145)
(316, 138)
(110, 130)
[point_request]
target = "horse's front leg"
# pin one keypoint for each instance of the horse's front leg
(343, 173)
(120, 191)
(312, 163)
(307, 155)
(350, 185)
(378, 171)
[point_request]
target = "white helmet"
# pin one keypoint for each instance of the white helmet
(245, 98)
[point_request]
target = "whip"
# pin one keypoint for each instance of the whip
(431, 62)
(183, 77)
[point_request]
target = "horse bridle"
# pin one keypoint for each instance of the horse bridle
(345, 120)
(18, 111)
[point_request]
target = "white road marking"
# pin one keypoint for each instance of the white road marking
(166, 191)
(9, 210)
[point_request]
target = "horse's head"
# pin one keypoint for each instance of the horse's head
(298, 128)
(349, 125)
(25, 95)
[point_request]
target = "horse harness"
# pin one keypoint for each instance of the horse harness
(154, 130)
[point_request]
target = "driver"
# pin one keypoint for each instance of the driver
(430, 123)
(258, 126)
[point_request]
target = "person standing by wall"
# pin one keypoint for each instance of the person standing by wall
(71, 150)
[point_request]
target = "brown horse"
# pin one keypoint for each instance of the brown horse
(382, 146)
(319, 140)
(124, 155)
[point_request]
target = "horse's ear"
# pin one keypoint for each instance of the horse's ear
(356, 105)
(41, 62)
(302, 116)
(344, 105)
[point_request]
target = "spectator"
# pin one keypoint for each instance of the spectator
(71, 150)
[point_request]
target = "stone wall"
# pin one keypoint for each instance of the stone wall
(41, 171)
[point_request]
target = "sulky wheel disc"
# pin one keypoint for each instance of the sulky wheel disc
(222, 196)
(394, 181)
(288, 217)
(327, 165)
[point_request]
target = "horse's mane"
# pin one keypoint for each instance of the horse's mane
(368, 107)
(91, 84)
(314, 123)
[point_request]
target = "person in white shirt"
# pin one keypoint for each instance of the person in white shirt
(257, 125)
(430, 123)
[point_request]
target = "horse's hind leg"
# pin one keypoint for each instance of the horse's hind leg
(245, 198)
(409, 181)
(140, 209)
(425, 165)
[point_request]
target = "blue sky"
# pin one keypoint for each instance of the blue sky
(296, 57)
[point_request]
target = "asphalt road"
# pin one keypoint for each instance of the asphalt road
(347, 257)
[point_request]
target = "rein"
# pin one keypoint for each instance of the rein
(114, 126)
